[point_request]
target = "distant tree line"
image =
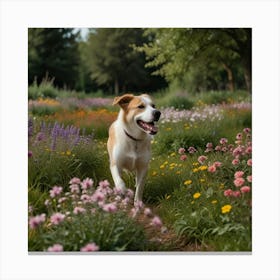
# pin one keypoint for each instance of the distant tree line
(118, 60)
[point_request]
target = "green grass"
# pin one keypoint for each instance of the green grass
(168, 188)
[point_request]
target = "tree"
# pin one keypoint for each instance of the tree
(53, 52)
(113, 62)
(175, 51)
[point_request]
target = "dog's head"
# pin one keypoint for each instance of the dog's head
(139, 112)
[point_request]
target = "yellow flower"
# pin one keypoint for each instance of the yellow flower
(196, 195)
(187, 182)
(168, 129)
(154, 173)
(162, 166)
(214, 201)
(226, 208)
(203, 167)
(173, 154)
(195, 170)
(195, 164)
(168, 196)
(68, 153)
(178, 172)
(202, 180)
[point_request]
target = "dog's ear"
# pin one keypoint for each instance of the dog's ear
(123, 100)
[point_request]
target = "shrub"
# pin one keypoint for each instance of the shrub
(85, 218)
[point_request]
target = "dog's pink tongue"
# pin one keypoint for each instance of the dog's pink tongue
(154, 129)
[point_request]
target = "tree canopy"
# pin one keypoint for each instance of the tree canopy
(184, 53)
(53, 52)
(117, 60)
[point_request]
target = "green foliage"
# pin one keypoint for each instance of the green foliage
(203, 52)
(114, 63)
(53, 52)
(112, 232)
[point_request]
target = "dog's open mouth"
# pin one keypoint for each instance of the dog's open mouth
(149, 127)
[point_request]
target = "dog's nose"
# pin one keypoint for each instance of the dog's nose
(156, 115)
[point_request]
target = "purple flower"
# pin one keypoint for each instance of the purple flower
(30, 154)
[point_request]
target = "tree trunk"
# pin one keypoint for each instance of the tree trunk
(230, 77)
(248, 77)
(116, 87)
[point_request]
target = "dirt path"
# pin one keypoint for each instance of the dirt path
(164, 238)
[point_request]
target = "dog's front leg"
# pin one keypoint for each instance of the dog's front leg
(116, 174)
(140, 182)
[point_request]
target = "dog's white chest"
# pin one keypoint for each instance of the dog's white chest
(132, 154)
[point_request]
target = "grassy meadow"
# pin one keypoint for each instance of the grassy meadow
(197, 195)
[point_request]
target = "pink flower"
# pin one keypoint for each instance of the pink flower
(34, 222)
(249, 178)
(212, 168)
(85, 198)
(239, 136)
(209, 145)
(218, 148)
(235, 161)
(138, 204)
(147, 212)
(249, 162)
(75, 180)
(236, 194)
(55, 248)
(191, 150)
(183, 157)
(156, 221)
(87, 183)
(55, 191)
(57, 218)
(248, 150)
(228, 192)
(91, 247)
(224, 149)
(201, 159)
(217, 164)
(245, 189)
(110, 208)
(238, 174)
(238, 182)
(129, 193)
(246, 130)
(104, 184)
(181, 151)
(98, 196)
(223, 141)
(79, 210)
(237, 151)
(74, 188)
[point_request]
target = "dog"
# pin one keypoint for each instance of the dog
(129, 142)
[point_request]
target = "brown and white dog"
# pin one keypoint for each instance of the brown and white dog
(129, 143)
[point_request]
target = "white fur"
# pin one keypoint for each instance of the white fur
(126, 153)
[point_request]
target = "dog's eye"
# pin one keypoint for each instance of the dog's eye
(153, 105)
(141, 106)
